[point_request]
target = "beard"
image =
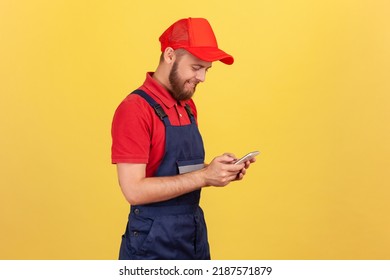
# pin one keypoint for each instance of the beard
(178, 85)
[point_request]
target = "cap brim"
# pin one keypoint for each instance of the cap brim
(211, 54)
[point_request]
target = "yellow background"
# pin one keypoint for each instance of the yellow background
(310, 89)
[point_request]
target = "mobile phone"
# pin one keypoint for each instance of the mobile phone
(247, 157)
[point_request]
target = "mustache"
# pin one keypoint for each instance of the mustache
(194, 81)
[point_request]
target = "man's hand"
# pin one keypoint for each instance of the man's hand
(242, 173)
(222, 170)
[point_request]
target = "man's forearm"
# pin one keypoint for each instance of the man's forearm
(139, 189)
(155, 189)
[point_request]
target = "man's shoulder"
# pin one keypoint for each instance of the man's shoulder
(133, 100)
(133, 106)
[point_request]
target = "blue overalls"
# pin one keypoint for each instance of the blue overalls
(174, 229)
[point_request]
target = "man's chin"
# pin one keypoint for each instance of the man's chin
(182, 96)
(186, 97)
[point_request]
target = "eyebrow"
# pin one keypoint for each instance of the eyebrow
(202, 66)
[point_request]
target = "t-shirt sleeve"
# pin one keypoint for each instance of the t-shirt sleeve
(131, 128)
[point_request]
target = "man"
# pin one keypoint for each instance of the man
(159, 151)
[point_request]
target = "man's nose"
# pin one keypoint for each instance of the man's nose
(201, 75)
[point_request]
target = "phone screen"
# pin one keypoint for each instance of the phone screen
(247, 157)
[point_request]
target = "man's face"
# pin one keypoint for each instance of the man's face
(187, 71)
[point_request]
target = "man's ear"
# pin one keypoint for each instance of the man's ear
(169, 55)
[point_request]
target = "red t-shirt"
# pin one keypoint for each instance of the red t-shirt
(138, 134)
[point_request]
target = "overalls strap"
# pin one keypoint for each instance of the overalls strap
(159, 110)
(157, 107)
(189, 112)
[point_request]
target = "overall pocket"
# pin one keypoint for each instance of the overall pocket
(186, 166)
(138, 230)
(170, 237)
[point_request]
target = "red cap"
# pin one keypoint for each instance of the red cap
(197, 37)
